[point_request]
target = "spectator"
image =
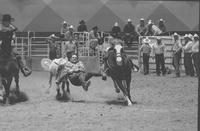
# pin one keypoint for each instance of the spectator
(70, 48)
(130, 33)
(52, 46)
(141, 28)
(116, 30)
(94, 38)
(162, 27)
(177, 50)
(70, 33)
(82, 26)
(195, 54)
(158, 51)
(145, 50)
(64, 28)
(152, 29)
(187, 48)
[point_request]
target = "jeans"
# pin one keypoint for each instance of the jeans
(160, 62)
(146, 63)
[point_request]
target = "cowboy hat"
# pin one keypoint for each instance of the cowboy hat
(190, 36)
(71, 27)
(150, 22)
(7, 17)
(82, 22)
(175, 34)
(141, 19)
(161, 20)
(116, 24)
(64, 22)
(186, 36)
(129, 20)
(45, 63)
(146, 40)
(196, 36)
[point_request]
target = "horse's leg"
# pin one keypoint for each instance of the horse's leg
(67, 84)
(63, 89)
(128, 82)
(124, 90)
(7, 89)
(50, 83)
(17, 83)
(117, 90)
(58, 90)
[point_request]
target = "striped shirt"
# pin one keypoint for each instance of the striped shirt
(70, 67)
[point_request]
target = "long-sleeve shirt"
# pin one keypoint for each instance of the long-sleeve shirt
(82, 28)
(177, 46)
(145, 48)
(71, 67)
(93, 35)
(69, 35)
(195, 47)
(129, 28)
(70, 46)
(158, 49)
(116, 30)
(188, 47)
(141, 29)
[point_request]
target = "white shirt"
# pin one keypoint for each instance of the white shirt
(195, 47)
(188, 47)
(158, 49)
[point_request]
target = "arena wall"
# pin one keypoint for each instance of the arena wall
(47, 15)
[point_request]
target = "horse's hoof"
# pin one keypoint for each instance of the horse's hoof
(129, 104)
(58, 95)
(104, 78)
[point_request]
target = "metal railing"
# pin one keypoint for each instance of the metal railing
(168, 41)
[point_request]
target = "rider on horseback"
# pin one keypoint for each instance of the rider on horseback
(6, 36)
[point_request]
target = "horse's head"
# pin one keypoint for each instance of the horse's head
(118, 51)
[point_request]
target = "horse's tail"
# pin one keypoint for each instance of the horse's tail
(45, 63)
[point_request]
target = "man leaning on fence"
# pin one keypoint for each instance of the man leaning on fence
(195, 54)
(177, 50)
(187, 48)
(159, 50)
(145, 50)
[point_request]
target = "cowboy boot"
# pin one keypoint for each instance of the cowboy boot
(24, 69)
(85, 84)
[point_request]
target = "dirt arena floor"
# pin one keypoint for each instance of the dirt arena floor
(163, 104)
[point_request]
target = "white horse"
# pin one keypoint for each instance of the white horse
(52, 67)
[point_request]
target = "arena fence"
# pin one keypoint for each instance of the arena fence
(168, 41)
